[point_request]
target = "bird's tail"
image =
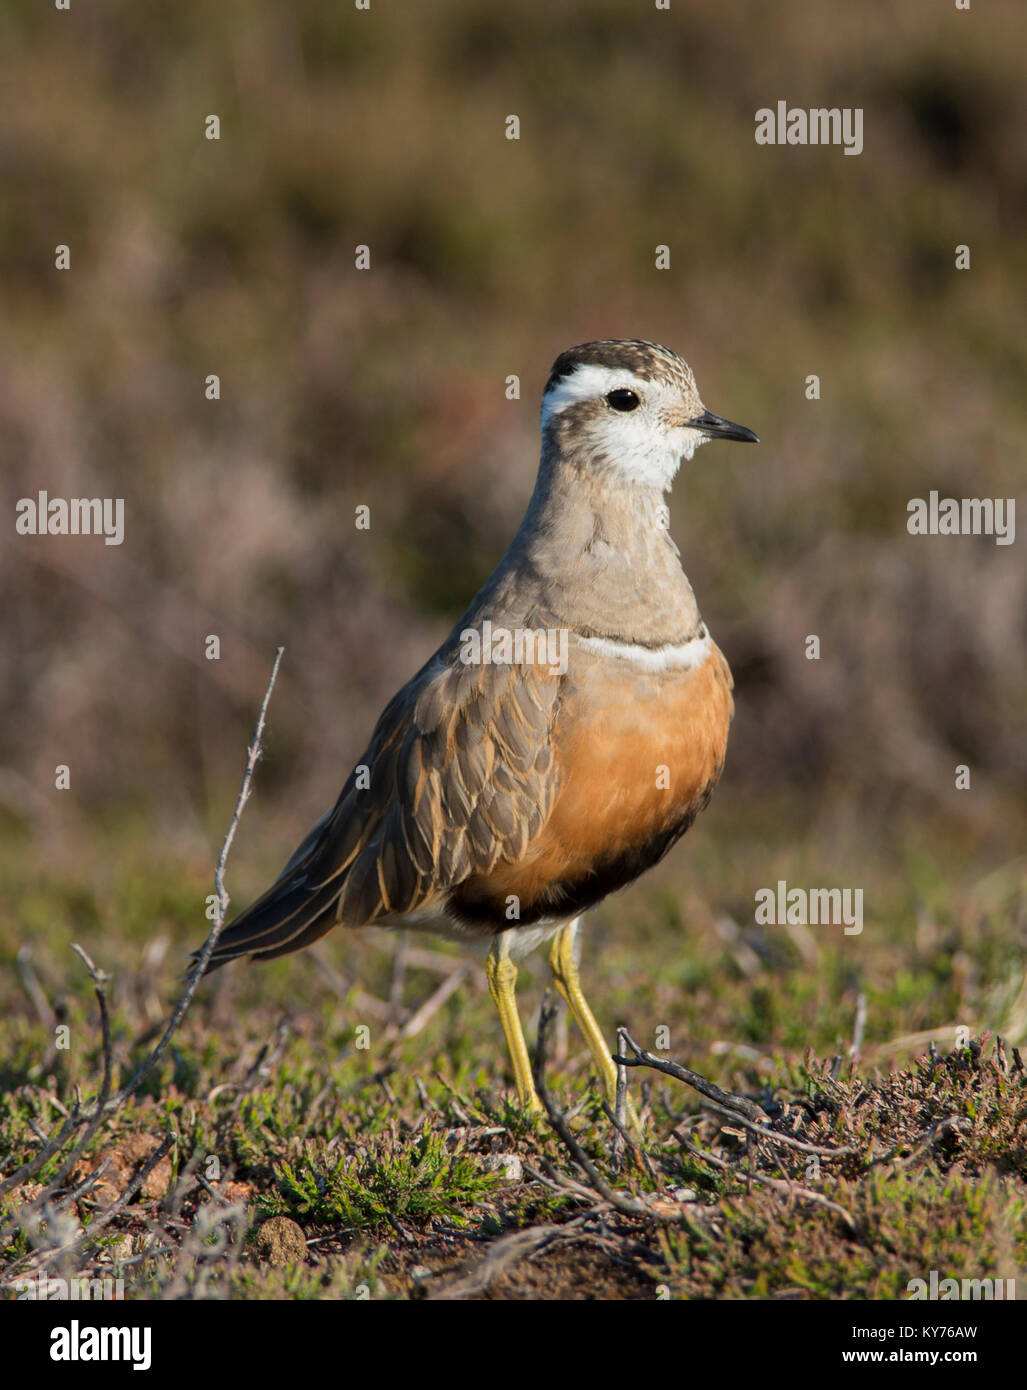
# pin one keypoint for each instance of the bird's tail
(285, 919)
(294, 912)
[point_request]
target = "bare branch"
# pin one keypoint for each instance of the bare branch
(629, 1206)
(787, 1189)
(434, 1002)
(77, 1117)
(859, 1025)
(93, 1116)
(196, 974)
(500, 1257)
(739, 1105)
(772, 1136)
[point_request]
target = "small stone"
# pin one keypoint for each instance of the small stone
(508, 1167)
(280, 1242)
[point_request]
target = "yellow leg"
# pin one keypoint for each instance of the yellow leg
(502, 977)
(565, 976)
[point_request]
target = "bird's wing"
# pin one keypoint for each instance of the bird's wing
(459, 774)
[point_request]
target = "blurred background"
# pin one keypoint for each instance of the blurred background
(386, 387)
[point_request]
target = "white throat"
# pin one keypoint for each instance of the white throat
(642, 446)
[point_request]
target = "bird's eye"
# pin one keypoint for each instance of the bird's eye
(622, 399)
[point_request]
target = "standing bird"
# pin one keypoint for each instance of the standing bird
(566, 733)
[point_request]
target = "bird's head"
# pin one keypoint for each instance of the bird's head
(630, 410)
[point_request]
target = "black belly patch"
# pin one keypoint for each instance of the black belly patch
(473, 904)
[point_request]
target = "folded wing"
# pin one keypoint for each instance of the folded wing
(458, 775)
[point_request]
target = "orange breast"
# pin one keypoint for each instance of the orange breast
(638, 754)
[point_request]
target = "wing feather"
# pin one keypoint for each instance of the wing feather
(461, 776)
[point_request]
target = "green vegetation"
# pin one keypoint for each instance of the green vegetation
(291, 1094)
(390, 1158)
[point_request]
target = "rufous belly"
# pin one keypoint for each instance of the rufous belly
(638, 754)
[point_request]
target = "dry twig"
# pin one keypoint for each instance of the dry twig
(738, 1105)
(92, 1117)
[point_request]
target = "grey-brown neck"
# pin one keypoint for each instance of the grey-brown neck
(593, 554)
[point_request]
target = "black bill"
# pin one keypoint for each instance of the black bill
(718, 428)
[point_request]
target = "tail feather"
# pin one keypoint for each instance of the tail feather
(290, 915)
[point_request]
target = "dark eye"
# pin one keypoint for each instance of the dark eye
(622, 399)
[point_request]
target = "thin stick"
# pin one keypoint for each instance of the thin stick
(628, 1206)
(102, 1219)
(399, 970)
(772, 1136)
(788, 1189)
(100, 980)
(500, 1257)
(105, 1104)
(34, 990)
(739, 1104)
(859, 1025)
(77, 1117)
(621, 1132)
(620, 1106)
(949, 1127)
(434, 1002)
(196, 974)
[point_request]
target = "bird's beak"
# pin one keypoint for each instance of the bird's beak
(716, 427)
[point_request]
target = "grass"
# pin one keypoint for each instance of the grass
(316, 1153)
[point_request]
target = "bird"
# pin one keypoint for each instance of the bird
(565, 734)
